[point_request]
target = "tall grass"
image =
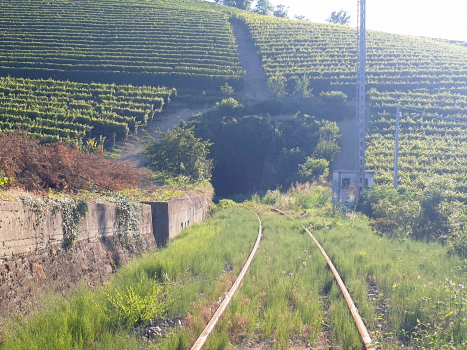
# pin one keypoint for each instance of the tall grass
(279, 301)
(194, 264)
(423, 285)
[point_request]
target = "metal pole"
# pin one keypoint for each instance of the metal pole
(396, 149)
(361, 89)
(115, 135)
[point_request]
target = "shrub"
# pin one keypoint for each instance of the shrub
(278, 85)
(179, 153)
(301, 87)
(333, 96)
(137, 305)
(313, 169)
(227, 89)
(61, 166)
(229, 105)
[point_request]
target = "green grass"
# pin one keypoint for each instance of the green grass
(423, 285)
(280, 297)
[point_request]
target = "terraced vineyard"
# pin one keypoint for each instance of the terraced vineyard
(53, 110)
(326, 53)
(182, 44)
(432, 136)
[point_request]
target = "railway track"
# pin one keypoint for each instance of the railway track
(365, 337)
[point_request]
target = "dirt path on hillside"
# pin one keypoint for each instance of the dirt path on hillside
(132, 148)
(346, 159)
(256, 83)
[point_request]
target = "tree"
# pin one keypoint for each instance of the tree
(241, 4)
(281, 11)
(264, 7)
(179, 152)
(300, 18)
(340, 17)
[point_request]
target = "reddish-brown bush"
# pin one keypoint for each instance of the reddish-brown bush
(61, 166)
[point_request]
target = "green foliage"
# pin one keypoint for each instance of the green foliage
(264, 7)
(429, 212)
(148, 300)
(127, 224)
(281, 11)
(313, 169)
(52, 110)
(339, 17)
(229, 105)
(333, 96)
(241, 4)
(227, 89)
(5, 180)
(202, 61)
(256, 153)
(278, 85)
(73, 212)
(179, 152)
(301, 88)
(326, 54)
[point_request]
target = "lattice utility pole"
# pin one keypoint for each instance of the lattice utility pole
(361, 62)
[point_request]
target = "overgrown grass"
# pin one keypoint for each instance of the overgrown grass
(423, 285)
(194, 264)
(279, 301)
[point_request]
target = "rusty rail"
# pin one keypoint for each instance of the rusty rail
(212, 323)
(356, 316)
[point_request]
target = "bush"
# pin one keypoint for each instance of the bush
(61, 166)
(333, 96)
(278, 85)
(229, 105)
(138, 305)
(179, 153)
(313, 169)
(301, 87)
(227, 89)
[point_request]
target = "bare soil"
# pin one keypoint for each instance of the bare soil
(256, 83)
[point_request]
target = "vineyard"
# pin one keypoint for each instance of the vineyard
(53, 110)
(432, 136)
(326, 54)
(182, 44)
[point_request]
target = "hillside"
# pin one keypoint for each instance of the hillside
(197, 46)
(182, 44)
(326, 53)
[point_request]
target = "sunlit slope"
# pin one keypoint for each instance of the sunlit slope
(186, 44)
(53, 110)
(327, 54)
(433, 137)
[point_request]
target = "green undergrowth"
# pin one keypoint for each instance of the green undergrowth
(423, 286)
(193, 266)
(287, 297)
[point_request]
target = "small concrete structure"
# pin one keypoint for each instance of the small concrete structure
(169, 218)
(345, 189)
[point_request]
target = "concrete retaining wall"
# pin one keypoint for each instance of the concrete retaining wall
(24, 228)
(33, 261)
(169, 218)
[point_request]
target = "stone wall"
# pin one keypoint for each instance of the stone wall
(33, 261)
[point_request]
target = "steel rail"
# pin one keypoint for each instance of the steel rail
(356, 316)
(212, 323)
